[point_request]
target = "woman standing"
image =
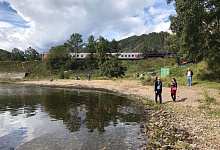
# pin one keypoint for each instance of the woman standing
(173, 89)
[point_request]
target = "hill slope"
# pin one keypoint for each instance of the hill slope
(146, 42)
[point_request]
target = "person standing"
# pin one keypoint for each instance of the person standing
(189, 74)
(158, 89)
(173, 89)
(88, 77)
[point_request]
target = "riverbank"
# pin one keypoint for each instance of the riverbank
(186, 96)
(200, 129)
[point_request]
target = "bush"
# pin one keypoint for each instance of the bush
(61, 75)
(148, 80)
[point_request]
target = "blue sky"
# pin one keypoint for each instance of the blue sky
(9, 15)
(42, 24)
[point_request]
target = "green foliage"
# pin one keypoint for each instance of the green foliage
(64, 74)
(113, 46)
(215, 112)
(197, 28)
(34, 69)
(17, 55)
(144, 43)
(152, 104)
(56, 57)
(151, 65)
(148, 80)
(203, 107)
(112, 67)
(75, 43)
(173, 44)
(92, 61)
(214, 66)
(209, 99)
(90, 47)
(5, 55)
(31, 54)
(101, 47)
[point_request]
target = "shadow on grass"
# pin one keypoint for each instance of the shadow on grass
(194, 83)
(182, 100)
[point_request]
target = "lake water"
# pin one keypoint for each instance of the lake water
(47, 118)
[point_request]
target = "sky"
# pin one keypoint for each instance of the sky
(41, 24)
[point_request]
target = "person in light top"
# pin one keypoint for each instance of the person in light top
(189, 74)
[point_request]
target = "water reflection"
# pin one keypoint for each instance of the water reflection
(28, 113)
(95, 110)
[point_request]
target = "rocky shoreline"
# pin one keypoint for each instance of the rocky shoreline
(173, 127)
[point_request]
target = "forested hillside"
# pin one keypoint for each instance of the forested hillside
(4, 55)
(144, 43)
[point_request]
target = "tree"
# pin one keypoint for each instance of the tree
(197, 28)
(90, 47)
(101, 47)
(173, 44)
(111, 67)
(113, 46)
(197, 23)
(75, 42)
(17, 55)
(108, 64)
(31, 54)
(56, 57)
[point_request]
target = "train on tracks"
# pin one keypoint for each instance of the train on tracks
(122, 56)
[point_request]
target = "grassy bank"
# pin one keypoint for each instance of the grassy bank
(202, 75)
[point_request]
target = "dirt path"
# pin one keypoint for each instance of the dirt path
(186, 96)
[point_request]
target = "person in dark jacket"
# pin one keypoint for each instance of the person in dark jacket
(189, 74)
(158, 89)
(173, 89)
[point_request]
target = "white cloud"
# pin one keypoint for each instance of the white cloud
(5, 25)
(51, 22)
(163, 26)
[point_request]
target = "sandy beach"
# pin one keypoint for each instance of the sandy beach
(186, 96)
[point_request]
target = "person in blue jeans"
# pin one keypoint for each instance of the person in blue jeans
(88, 77)
(189, 74)
(158, 89)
